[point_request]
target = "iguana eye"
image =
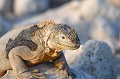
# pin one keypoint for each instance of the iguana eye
(63, 37)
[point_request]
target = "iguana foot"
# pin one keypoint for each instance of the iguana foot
(62, 65)
(68, 74)
(35, 74)
(38, 74)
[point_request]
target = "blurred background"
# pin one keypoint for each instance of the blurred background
(93, 19)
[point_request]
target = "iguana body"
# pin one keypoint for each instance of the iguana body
(26, 46)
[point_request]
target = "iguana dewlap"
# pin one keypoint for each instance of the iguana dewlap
(29, 45)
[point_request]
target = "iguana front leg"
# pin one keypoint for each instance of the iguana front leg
(16, 57)
(61, 63)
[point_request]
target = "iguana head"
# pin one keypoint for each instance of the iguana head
(63, 37)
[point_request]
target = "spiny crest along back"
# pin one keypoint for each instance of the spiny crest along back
(46, 23)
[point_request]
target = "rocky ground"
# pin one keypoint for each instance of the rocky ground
(92, 61)
(93, 19)
(50, 72)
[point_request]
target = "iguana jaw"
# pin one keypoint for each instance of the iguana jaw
(63, 46)
(73, 47)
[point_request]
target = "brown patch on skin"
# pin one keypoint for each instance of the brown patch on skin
(23, 39)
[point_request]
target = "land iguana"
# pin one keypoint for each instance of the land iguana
(26, 46)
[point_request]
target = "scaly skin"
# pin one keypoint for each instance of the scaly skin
(26, 46)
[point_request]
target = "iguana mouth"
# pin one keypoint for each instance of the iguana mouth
(76, 46)
(72, 45)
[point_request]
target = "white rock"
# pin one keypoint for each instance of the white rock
(23, 7)
(96, 59)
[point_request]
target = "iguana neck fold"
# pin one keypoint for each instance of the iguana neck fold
(41, 36)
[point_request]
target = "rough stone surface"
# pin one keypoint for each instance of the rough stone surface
(23, 7)
(5, 6)
(50, 72)
(96, 59)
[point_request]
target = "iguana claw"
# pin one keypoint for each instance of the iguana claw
(38, 75)
(34, 74)
(68, 74)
